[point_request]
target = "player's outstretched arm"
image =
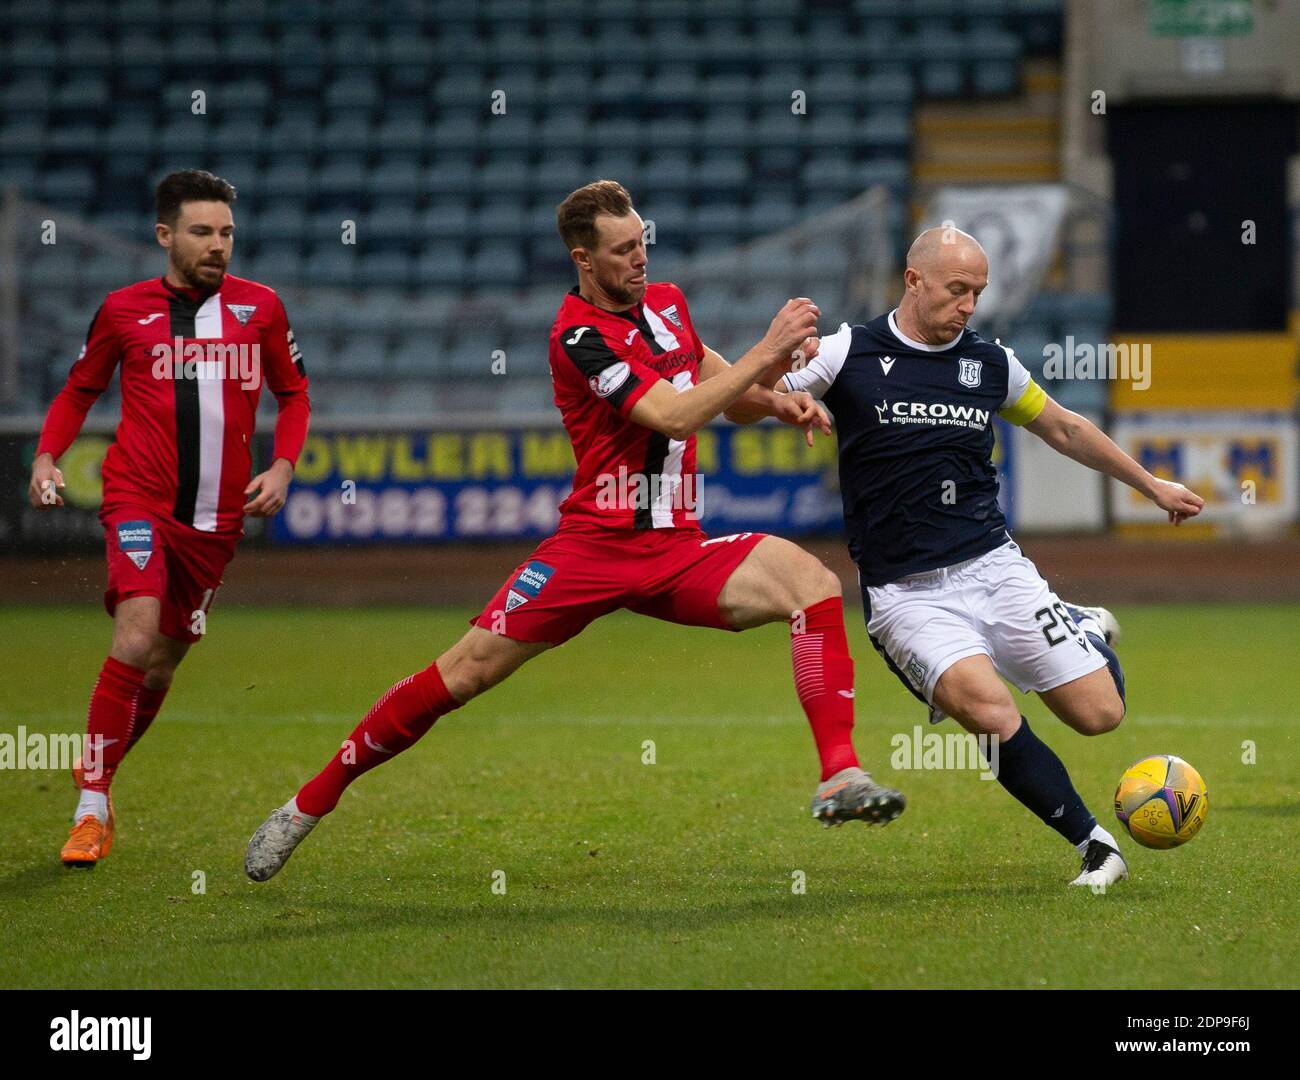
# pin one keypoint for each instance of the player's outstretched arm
(679, 414)
(1079, 438)
(759, 400)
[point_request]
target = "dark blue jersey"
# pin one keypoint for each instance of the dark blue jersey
(915, 428)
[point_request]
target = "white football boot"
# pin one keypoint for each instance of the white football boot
(1103, 865)
(275, 839)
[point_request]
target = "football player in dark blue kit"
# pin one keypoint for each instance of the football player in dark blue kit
(950, 601)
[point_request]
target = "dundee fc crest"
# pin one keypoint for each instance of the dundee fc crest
(969, 373)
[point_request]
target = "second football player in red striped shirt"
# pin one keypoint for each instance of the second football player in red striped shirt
(194, 348)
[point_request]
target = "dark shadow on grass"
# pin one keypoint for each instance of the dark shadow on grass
(33, 880)
(289, 917)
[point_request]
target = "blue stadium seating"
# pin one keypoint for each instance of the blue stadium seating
(322, 111)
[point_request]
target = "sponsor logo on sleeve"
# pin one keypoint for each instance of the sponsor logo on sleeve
(135, 539)
(610, 379)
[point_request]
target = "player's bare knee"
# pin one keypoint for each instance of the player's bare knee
(1106, 716)
(990, 716)
(815, 583)
(133, 645)
(474, 664)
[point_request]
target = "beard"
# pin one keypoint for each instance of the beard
(620, 293)
(194, 279)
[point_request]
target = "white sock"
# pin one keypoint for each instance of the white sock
(1098, 833)
(92, 802)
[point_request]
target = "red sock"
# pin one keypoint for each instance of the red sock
(823, 678)
(114, 705)
(397, 722)
(146, 709)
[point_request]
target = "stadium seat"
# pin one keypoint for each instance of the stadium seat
(282, 222)
(390, 269)
(441, 264)
(395, 178)
(332, 265)
(495, 263)
(72, 186)
(445, 220)
(390, 225)
(342, 181)
(498, 220)
(359, 354)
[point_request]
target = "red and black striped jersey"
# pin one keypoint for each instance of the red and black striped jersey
(602, 364)
(193, 365)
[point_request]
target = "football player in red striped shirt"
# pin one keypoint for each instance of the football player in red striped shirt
(633, 383)
(194, 347)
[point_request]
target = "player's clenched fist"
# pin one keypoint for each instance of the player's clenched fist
(268, 490)
(43, 491)
(1177, 501)
(793, 324)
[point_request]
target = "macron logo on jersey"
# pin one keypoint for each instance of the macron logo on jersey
(886, 362)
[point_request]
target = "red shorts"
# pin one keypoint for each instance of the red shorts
(151, 555)
(586, 571)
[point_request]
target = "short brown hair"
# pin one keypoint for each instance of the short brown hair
(189, 185)
(576, 216)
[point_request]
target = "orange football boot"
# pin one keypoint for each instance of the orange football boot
(90, 839)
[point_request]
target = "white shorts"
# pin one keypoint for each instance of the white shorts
(997, 604)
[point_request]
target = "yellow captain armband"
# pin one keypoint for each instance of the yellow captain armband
(1027, 408)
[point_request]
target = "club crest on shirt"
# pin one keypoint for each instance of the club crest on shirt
(670, 313)
(242, 312)
(135, 539)
(969, 372)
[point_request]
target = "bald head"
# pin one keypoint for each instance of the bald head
(941, 246)
(946, 272)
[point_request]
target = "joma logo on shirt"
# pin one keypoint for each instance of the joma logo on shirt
(932, 413)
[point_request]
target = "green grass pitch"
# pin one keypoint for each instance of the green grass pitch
(618, 873)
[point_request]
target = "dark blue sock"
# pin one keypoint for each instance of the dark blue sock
(1112, 662)
(1029, 769)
